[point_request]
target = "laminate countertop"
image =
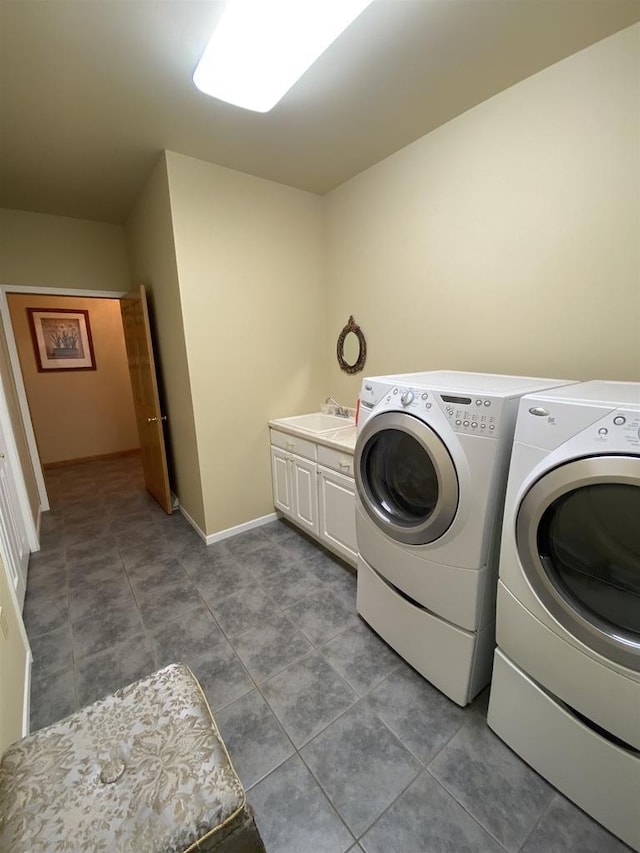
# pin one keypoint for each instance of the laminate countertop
(343, 438)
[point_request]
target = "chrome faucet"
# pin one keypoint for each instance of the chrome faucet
(341, 411)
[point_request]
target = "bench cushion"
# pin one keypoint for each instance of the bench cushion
(142, 770)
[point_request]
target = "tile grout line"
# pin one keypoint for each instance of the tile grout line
(465, 809)
(537, 823)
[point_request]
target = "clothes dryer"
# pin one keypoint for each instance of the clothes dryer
(565, 693)
(431, 461)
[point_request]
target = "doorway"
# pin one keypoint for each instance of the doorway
(76, 412)
(35, 295)
(126, 354)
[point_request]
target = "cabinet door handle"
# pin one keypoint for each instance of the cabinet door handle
(290, 445)
(344, 464)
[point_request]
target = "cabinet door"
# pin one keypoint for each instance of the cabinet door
(282, 482)
(305, 492)
(338, 514)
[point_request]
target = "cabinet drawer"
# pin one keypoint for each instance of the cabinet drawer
(337, 460)
(293, 444)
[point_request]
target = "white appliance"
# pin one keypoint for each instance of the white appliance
(431, 461)
(565, 693)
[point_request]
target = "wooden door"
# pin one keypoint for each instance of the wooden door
(144, 383)
(14, 545)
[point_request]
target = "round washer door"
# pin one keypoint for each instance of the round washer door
(405, 478)
(578, 537)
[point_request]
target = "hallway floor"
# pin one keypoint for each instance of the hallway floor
(339, 743)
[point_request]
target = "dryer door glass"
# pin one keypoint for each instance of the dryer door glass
(405, 478)
(578, 537)
(589, 544)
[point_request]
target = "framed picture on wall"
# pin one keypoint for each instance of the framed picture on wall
(61, 339)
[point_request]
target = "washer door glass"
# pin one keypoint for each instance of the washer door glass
(578, 535)
(405, 478)
(402, 479)
(589, 544)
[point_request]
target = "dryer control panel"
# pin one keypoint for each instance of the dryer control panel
(621, 428)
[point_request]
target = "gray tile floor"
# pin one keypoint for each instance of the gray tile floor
(340, 744)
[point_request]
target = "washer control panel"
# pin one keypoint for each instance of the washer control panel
(412, 399)
(474, 415)
(477, 415)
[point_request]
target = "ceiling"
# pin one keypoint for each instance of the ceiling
(92, 90)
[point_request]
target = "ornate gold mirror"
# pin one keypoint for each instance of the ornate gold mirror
(352, 348)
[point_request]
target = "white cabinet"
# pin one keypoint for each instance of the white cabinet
(313, 487)
(336, 497)
(282, 481)
(295, 489)
(305, 494)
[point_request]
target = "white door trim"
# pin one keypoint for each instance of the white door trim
(5, 318)
(13, 459)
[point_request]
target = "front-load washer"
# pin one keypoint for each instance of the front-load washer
(565, 692)
(431, 461)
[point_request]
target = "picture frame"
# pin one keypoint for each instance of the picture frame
(61, 339)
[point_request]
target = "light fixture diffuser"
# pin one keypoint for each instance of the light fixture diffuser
(261, 47)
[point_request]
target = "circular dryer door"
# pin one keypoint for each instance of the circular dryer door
(405, 478)
(578, 535)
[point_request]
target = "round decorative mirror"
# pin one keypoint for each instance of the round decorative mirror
(352, 348)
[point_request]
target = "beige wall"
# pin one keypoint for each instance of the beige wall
(55, 251)
(150, 241)
(508, 239)
(13, 658)
(80, 413)
(250, 256)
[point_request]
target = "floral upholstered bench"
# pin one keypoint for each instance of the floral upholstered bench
(143, 770)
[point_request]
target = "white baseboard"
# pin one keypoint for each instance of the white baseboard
(38, 525)
(230, 531)
(200, 533)
(240, 528)
(26, 701)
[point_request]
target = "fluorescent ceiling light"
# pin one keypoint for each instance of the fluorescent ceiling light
(261, 47)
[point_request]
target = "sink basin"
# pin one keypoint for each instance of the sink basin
(317, 422)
